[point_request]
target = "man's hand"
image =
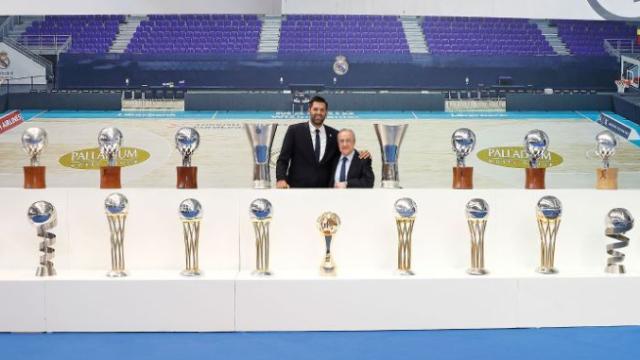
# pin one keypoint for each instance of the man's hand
(364, 154)
(282, 184)
(341, 185)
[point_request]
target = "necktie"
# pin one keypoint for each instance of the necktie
(343, 170)
(316, 147)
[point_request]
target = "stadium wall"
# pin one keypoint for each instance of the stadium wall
(627, 106)
(559, 102)
(214, 100)
(65, 101)
(80, 71)
(3, 102)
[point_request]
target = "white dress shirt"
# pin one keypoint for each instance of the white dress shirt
(347, 165)
(323, 138)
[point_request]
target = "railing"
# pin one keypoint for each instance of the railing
(43, 44)
(7, 25)
(24, 84)
(617, 47)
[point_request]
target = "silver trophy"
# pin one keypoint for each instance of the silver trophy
(34, 140)
(477, 212)
(43, 216)
(110, 140)
(116, 207)
(606, 144)
(618, 222)
(190, 212)
(548, 214)
(261, 211)
(536, 143)
(328, 224)
(187, 141)
(462, 142)
(261, 138)
(390, 138)
(406, 210)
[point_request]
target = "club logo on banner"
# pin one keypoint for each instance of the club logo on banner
(620, 10)
(10, 120)
(4, 60)
(92, 159)
(516, 157)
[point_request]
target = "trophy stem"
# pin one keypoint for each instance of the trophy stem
(607, 178)
(328, 266)
(405, 230)
(476, 229)
(48, 252)
(261, 229)
(191, 232)
(117, 226)
(390, 178)
(614, 262)
(548, 231)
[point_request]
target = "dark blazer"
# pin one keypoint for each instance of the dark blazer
(297, 162)
(360, 174)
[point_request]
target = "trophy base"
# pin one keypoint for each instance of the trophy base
(117, 274)
(607, 179)
(462, 177)
(328, 269)
(260, 273)
(34, 177)
(534, 178)
(391, 184)
(187, 177)
(477, 271)
(190, 273)
(615, 269)
(404, 272)
(44, 270)
(110, 177)
(261, 184)
(546, 270)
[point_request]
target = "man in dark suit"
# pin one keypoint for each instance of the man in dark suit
(349, 171)
(308, 151)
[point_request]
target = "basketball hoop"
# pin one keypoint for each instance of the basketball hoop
(622, 84)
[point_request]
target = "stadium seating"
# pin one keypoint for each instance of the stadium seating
(484, 36)
(587, 37)
(342, 34)
(89, 33)
(163, 34)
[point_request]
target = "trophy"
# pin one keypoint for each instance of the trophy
(536, 143)
(618, 222)
(116, 207)
(548, 214)
(191, 213)
(390, 138)
(462, 141)
(110, 140)
(328, 224)
(606, 143)
(261, 139)
(34, 140)
(187, 141)
(406, 215)
(477, 211)
(261, 211)
(43, 216)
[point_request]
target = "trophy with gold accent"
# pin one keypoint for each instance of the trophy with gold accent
(536, 143)
(116, 207)
(607, 177)
(110, 140)
(43, 216)
(328, 224)
(548, 214)
(187, 141)
(34, 140)
(618, 222)
(190, 212)
(406, 215)
(261, 211)
(477, 211)
(462, 141)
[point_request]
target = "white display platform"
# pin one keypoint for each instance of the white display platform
(365, 294)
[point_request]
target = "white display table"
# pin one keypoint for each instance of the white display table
(365, 294)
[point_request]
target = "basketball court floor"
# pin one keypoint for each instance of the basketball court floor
(224, 157)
